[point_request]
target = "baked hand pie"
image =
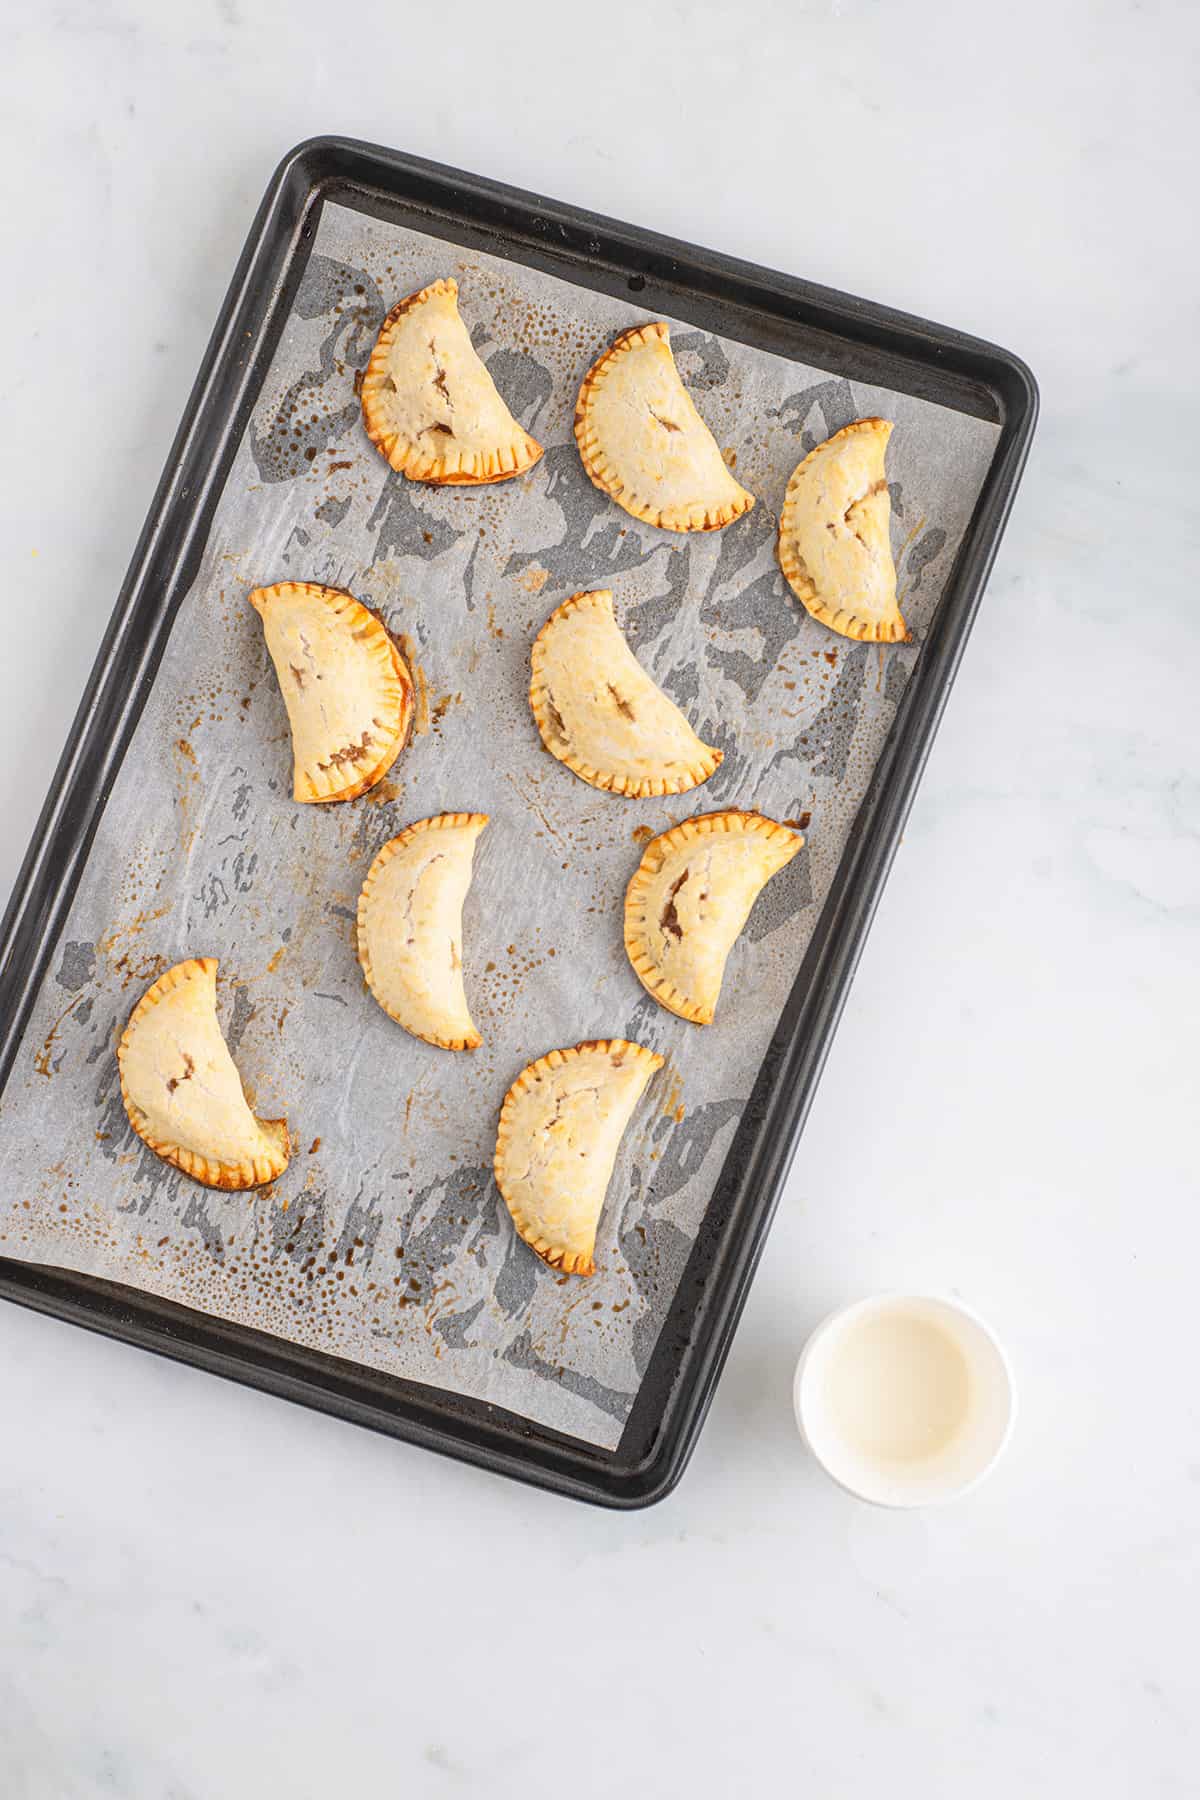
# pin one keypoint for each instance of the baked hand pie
(560, 1128)
(834, 541)
(429, 405)
(182, 1091)
(600, 713)
(643, 442)
(689, 898)
(410, 928)
(347, 689)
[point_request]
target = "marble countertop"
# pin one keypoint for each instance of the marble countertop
(205, 1592)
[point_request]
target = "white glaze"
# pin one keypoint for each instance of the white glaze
(906, 1400)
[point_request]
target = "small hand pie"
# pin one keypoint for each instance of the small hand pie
(560, 1128)
(644, 443)
(689, 898)
(182, 1091)
(429, 405)
(410, 928)
(347, 690)
(834, 544)
(600, 713)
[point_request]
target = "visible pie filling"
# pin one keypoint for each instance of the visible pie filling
(349, 753)
(669, 919)
(556, 719)
(189, 1069)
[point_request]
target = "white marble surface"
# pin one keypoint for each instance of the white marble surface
(191, 1602)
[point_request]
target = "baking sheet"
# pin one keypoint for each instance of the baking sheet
(385, 1241)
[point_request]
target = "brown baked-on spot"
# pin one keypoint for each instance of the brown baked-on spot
(189, 1069)
(667, 424)
(358, 381)
(299, 674)
(443, 429)
(350, 753)
(670, 915)
(622, 704)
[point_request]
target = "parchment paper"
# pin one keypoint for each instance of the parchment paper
(385, 1241)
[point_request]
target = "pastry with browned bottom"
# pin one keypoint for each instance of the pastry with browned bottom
(835, 535)
(601, 714)
(689, 898)
(181, 1088)
(347, 689)
(429, 405)
(410, 928)
(560, 1129)
(643, 442)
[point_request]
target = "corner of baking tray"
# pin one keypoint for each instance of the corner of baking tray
(1017, 389)
(311, 163)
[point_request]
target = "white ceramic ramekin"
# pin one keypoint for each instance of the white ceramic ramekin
(904, 1399)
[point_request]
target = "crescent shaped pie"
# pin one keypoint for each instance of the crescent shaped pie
(347, 689)
(834, 541)
(429, 405)
(644, 443)
(410, 928)
(689, 898)
(181, 1088)
(560, 1128)
(600, 713)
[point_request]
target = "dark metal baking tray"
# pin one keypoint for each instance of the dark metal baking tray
(792, 317)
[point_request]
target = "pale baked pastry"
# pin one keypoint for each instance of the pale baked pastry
(834, 540)
(560, 1128)
(410, 928)
(429, 405)
(600, 713)
(347, 689)
(689, 898)
(182, 1091)
(644, 443)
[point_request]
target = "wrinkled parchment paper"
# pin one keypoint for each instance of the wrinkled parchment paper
(386, 1241)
